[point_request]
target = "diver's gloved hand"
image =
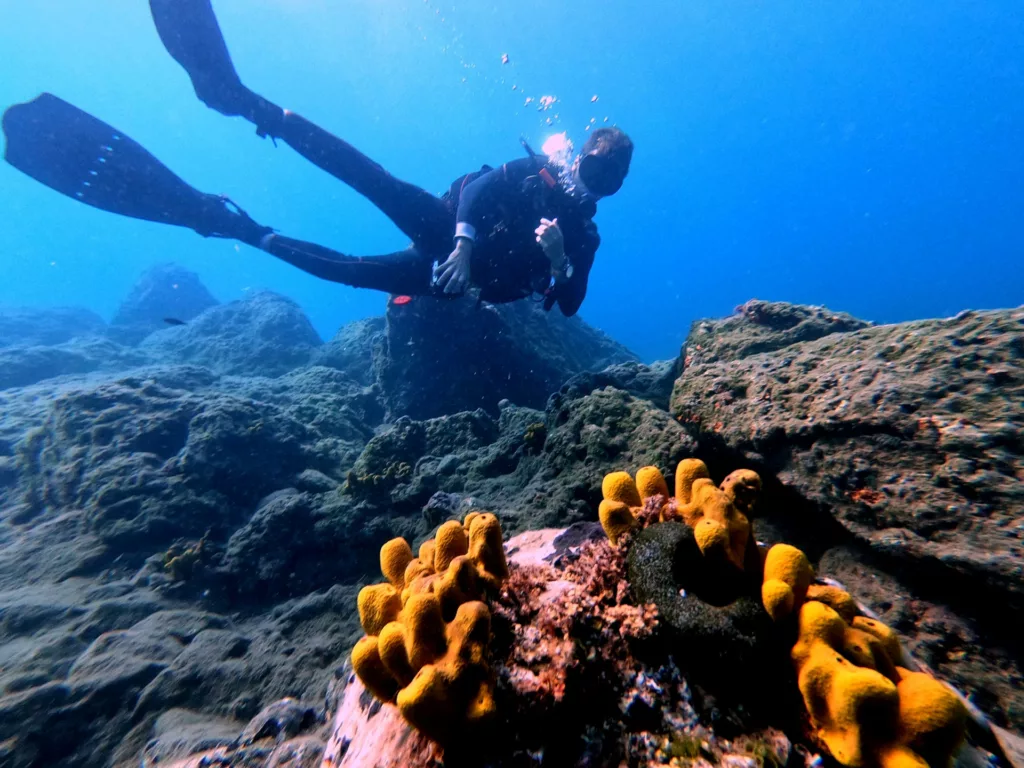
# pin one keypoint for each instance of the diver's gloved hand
(453, 275)
(549, 235)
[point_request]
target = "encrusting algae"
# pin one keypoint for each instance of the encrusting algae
(428, 627)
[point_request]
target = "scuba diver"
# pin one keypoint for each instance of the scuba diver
(523, 229)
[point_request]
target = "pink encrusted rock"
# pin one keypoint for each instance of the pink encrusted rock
(367, 734)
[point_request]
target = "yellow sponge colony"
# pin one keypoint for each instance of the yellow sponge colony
(427, 630)
(718, 516)
(865, 708)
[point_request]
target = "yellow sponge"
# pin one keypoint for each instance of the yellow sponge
(395, 557)
(366, 662)
(837, 599)
(616, 519)
(933, 719)
(378, 604)
(619, 486)
(687, 471)
(450, 541)
(848, 705)
(867, 716)
(720, 527)
(887, 637)
(486, 549)
(650, 482)
(787, 576)
(456, 691)
(742, 487)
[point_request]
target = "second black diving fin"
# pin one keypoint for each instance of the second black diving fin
(82, 157)
(191, 34)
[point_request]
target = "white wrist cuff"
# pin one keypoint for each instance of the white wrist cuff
(466, 230)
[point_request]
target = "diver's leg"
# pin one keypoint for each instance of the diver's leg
(191, 34)
(423, 218)
(405, 272)
(80, 156)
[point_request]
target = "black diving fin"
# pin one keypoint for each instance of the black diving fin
(190, 33)
(82, 157)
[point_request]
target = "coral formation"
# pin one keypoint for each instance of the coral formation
(719, 516)
(428, 627)
(865, 708)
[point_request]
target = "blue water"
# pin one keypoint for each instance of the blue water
(864, 155)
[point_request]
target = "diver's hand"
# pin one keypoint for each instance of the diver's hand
(550, 238)
(453, 274)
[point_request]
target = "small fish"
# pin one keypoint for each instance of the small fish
(398, 301)
(174, 321)
(504, 58)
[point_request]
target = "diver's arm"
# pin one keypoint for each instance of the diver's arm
(481, 196)
(570, 286)
(569, 292)
(453, 275)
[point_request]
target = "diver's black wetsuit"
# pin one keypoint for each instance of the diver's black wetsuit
(504, 205)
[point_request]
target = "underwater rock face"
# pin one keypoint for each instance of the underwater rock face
(23, 366)
(160, 455)
(351, 349)
(263, 335)
(163, 292)
(179, 548)
(652, 382)
(438, 357)
(908, 436)
(41, 327)
(528, 482)
(762, 326)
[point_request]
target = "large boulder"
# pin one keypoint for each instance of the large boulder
(263, 335)
(652, 382)
(46, 326)
(763, 326)
(165, 293)
(910, 433)
(437, 357)
(907, 438)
